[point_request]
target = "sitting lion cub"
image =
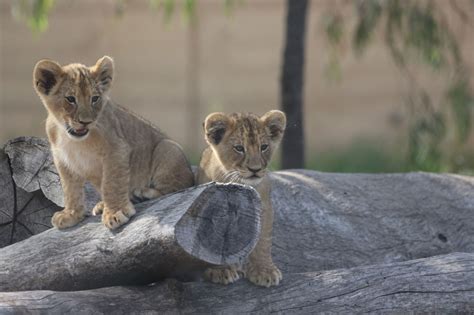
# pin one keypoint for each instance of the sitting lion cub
(240, 148)
(93, 139)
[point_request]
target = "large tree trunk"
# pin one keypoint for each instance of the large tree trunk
(292, 78)
(442, 284)
(174, 235)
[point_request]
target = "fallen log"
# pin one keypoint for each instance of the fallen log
(442, 284)
(176, 234)
(327, 221)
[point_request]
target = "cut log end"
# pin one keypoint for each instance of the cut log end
(222, 225)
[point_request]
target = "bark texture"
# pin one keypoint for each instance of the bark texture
(22, 213)
(347, 220)
(174, 235)
(442, 284)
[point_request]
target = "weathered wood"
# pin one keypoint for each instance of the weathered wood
(213, 223)
(30, 190)
(326, 221)
(22, 213)
(442, 284)
(33, 169)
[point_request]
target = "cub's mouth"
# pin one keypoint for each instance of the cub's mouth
(78, 133)
(255, 176)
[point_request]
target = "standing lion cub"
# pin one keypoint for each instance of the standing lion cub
(93, 139)
(240, 148)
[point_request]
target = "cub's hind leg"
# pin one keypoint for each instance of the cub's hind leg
(98, 208)
(171, 170)
(146, 193)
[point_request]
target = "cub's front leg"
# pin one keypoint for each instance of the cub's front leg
(260, 268)
(117, 208)
(223, 274)
(73, 187)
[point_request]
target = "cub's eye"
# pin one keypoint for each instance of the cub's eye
(71, 99)
(239, 148)
(264, 147)
(95, 98)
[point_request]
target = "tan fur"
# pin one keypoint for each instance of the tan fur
(121, 154)
(222, 162)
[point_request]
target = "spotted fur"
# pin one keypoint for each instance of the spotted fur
(93, 139)
(240, 148)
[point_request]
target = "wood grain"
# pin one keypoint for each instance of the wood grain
(441, 284)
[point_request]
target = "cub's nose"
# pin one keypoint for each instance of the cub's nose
(254, 170)
(85, 123)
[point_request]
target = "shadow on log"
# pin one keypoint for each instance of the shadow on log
(442, 284)
(174, 235)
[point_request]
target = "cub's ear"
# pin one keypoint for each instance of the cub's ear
(46, 75)
(103, 72)
(275, 121)
(215, 127)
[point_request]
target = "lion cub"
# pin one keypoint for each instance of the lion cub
(93, 139)
(240, 148)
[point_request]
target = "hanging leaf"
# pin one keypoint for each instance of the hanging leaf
(189, 9)
(425, 36)
(369, 12)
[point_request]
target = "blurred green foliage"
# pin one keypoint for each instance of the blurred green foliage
(413, 30)
(34, 12)
(416, 30)
(370, 156)
(365, 156)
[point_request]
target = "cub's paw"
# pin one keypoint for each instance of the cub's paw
(143, 194)
(114, 219)
(66, 218)
(265, 276)
(222, 274)
(99, 208)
